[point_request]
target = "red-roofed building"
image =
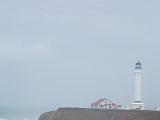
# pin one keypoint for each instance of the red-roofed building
(104, 103)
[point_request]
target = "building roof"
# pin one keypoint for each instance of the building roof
(99, 101)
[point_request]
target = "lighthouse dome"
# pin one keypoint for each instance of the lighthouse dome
(138, 65)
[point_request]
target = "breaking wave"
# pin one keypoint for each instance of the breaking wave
(16, 119)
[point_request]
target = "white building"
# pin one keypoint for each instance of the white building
(138, 104)
(104, 103)
(124, 107)
(157, 108)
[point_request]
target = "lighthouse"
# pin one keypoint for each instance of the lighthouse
(137, 103)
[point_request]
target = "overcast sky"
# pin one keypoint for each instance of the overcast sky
(72, 52)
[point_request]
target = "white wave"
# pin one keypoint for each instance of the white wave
(3, 119)
(18, 119)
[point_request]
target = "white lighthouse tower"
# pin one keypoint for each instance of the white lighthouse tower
(138, 104)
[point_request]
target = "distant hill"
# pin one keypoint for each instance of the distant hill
(97, 114)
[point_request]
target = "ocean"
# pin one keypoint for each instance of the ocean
(21, 113)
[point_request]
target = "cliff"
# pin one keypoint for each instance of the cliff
(97, 114)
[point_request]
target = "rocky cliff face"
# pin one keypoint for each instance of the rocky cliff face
(96, 114)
